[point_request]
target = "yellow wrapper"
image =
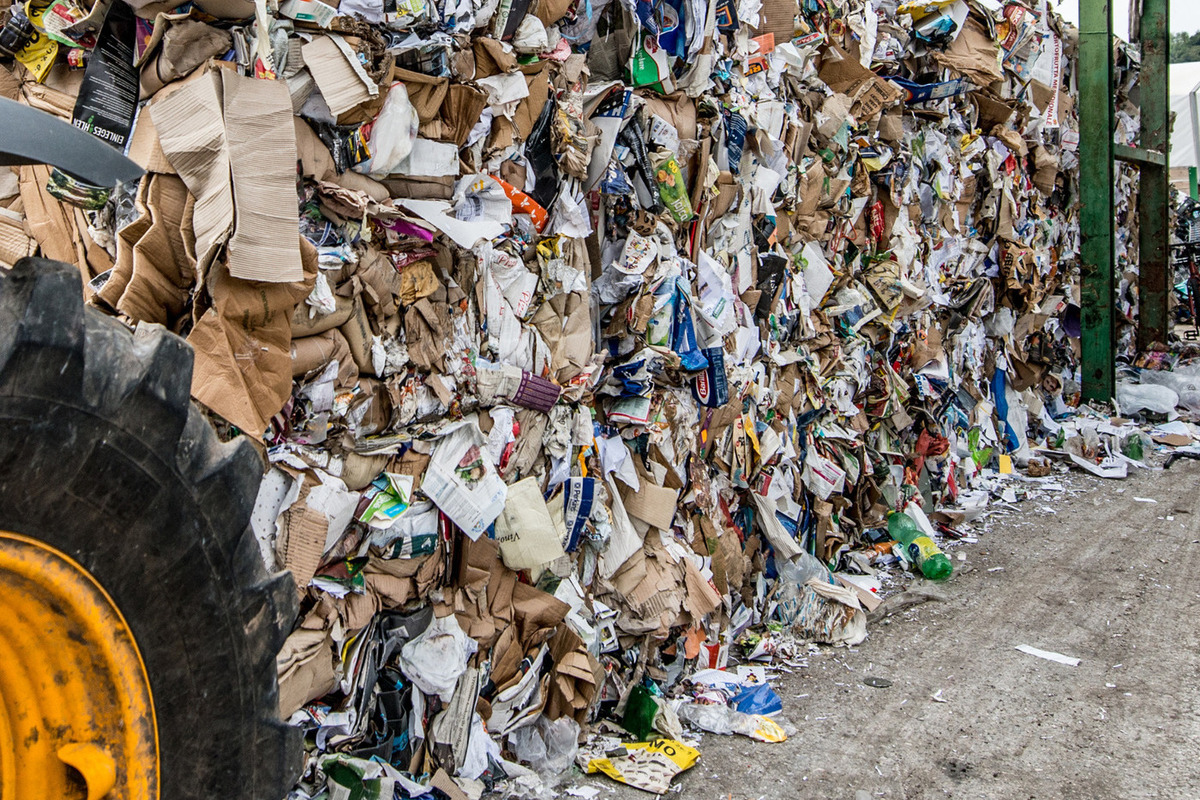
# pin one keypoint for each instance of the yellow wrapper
(38, 56)
(649, 766)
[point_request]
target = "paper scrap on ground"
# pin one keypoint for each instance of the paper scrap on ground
(1070, 661)
(1105, 469)
(586, 792)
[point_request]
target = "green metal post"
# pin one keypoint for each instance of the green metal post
(1096, 198)
(1153, 232)
(1193, 190)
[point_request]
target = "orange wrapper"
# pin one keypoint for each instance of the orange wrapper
(524, 204)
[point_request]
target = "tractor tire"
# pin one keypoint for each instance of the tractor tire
(104, 457)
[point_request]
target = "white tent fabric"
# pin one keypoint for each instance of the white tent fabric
(1182, 78)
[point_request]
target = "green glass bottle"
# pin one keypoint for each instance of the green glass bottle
(920, 549)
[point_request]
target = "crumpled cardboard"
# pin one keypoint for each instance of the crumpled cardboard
(973, 54)
(182, 46)
(306, 669)
(654, 505)
(307, 321)
(152, 278)
(426, 326)
(243, 366)
(312, 353)
(867, 94)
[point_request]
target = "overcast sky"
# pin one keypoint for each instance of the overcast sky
(1185, 15)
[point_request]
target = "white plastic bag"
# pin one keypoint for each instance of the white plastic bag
(793, 574)
(548, 747)
(1184, 380)
(321, 300)
(434, 660)
(830, 614)
(530, 36)
(1132, 397)
(392, 134)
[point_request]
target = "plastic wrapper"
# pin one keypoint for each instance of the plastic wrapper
(549, 747)
(671, 188)
(392, 134)
(541, 160)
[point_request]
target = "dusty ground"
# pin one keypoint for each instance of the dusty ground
(1110, 580)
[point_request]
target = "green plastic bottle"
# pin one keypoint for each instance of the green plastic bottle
(919, 548)
(640, 710)
(1132, 446)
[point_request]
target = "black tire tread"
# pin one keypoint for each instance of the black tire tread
(77, 387)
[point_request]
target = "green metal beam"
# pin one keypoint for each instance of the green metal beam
(1096, 198)
(1138, 155)
(1154, 266)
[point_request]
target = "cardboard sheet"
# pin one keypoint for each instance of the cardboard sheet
(652, 504)
(342, 84)
(232, 141)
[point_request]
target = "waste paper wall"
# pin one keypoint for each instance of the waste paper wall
(567, 327)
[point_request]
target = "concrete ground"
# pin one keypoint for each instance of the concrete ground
(1106, 578)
